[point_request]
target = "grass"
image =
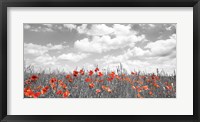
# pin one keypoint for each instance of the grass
(97, 84)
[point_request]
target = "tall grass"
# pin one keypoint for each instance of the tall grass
(118, 84)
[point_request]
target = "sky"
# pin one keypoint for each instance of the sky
(65, 47)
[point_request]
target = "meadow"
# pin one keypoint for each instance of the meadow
(95, 83)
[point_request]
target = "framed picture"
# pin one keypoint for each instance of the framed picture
(99, 60)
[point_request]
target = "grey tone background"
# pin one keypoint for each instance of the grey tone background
(138, 46)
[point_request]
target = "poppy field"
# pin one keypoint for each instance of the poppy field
(95, 83)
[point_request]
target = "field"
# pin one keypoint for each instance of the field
(95, 83)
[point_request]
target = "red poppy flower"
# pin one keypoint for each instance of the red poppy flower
(154, 77)
(28, 92)
(112, 75)
(145, 87)
(37, 94)
(59, 92)
(169, 87)
(142, 77)
(27, 88)
(156, 85)
(98, 91)
(75, 73)
(66, 94)
(150, 93)
(60, 81)
(106, 88)
(134, 73)
(52, 80)
(140, 82)
(90, 73)
(100, 74)
(128, 79)
(82, 72)
(139, 90)
(133, 87)
(87, 80)
(34, 77)
(70, 80)
(46, 87)
(157, 78)
(44, 90)
(64, 86)
(68, 76)
(109, 90)
(166, 83)
(53, 85)
(103, 87)
(118, 77)
(97, 69)
(91, 85)
(109, 79)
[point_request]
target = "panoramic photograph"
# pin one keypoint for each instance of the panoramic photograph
(99, 60)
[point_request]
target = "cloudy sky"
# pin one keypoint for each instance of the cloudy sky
(143, 47)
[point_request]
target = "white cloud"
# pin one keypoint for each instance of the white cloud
(48, 25)
(37, 50)
(82, 28)
(34, 49)
(102, 30)
(46, 30)
(170, 27)
(109, 59)
(104, 38)
(105, 43)
(99, 30)
(86, 46)
(152, 25)
(35, 29)
(73, 56)
(46, 59)
(162, 47)
(60, 27)
(122, 30)
(136, 51)
(54, 47)
(26, 26)
(128, 54)
(47, 63)
(41, 29)
(70, 26)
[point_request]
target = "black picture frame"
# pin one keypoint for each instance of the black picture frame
(99, 3)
